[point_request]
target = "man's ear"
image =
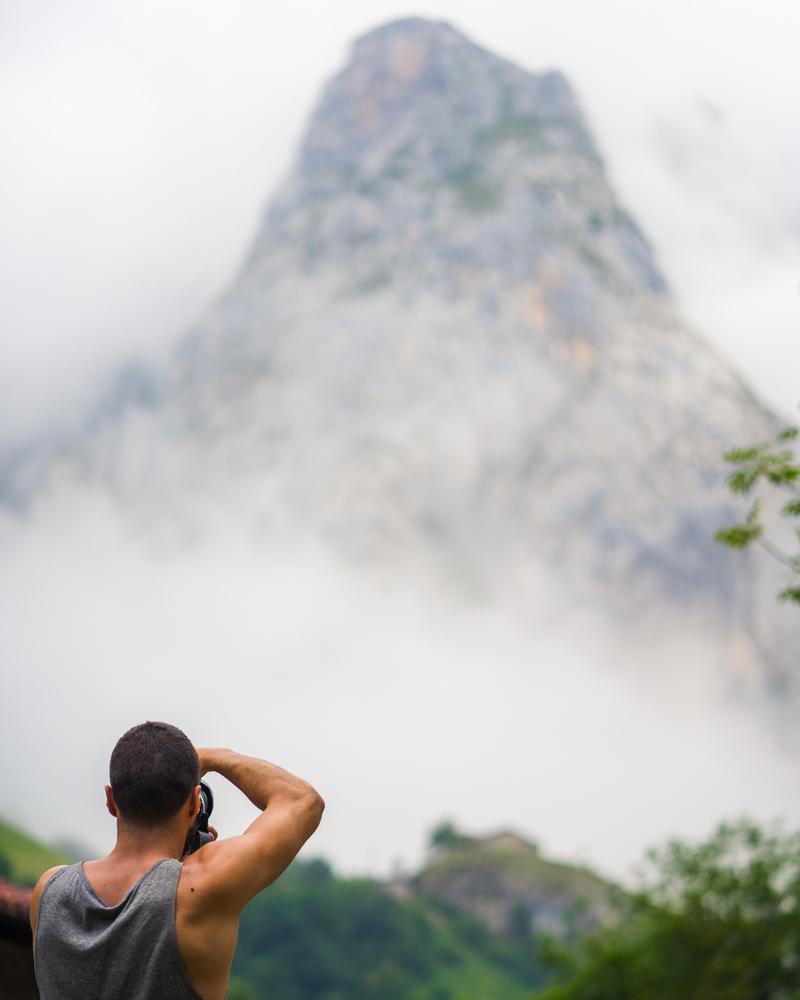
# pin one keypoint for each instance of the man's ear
(195, 802)
(111, 805)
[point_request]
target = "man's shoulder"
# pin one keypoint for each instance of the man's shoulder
(210, 877)
(199, 877)
(203, 865)
(44, 879)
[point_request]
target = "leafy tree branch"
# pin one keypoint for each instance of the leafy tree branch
(777, 464)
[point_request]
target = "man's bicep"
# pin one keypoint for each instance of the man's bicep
(246, 864)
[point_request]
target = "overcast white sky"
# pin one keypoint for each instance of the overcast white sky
(140, 142)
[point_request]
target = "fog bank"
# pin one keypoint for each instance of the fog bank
(401, 703)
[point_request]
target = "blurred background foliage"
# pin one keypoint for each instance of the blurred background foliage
(718, 920)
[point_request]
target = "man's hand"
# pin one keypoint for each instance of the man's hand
(205, 755)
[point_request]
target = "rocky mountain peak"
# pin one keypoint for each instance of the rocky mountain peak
(451, 345)
(421, 60)
(433, 160)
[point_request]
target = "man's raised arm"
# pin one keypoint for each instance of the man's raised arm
(239, 867)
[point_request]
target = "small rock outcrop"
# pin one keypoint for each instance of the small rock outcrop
(503, 880)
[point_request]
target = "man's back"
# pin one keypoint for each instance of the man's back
(108, 948)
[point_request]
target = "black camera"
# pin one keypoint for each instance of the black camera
(199, 834)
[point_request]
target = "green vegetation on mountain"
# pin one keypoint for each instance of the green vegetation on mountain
(503, 878)
(475, 190)
(313, 934)
(719, 920)
(22, 858)
(464, 928)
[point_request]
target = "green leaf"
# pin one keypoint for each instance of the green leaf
(739, 535)
(788, 434)
(737, 455)
(792, 508)
(790, 594)
(742, 481)
(783, 476)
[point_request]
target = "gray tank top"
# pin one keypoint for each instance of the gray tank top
(86, 950)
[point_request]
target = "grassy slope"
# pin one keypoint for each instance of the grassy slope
(26, 857)
(314, 933)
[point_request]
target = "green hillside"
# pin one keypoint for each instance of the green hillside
(22, 858)
(489, 918)
(314, 934)
(467, 926)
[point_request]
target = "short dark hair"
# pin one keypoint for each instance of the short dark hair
(153, 769)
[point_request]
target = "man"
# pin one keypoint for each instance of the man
(147, 922)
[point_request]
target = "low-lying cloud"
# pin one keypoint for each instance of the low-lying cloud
(402, 703)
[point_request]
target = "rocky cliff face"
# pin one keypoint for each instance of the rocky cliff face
(433, 164)
(450, 342)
